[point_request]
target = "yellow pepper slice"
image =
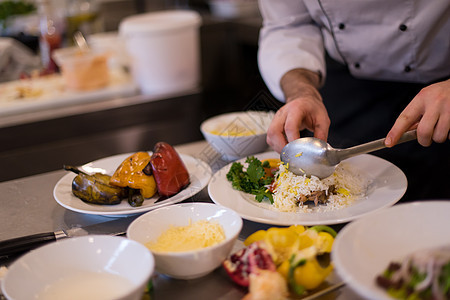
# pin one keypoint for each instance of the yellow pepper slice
(282, 242)
(130, 173)
(307, 238)
(283, 269)
(311, 274)
(255, 237)
(303, 272)
(324, 242)
(299, 229)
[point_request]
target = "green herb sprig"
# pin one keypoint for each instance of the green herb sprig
(253, 180)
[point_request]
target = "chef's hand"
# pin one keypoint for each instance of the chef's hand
(304, 109)
(429, 112)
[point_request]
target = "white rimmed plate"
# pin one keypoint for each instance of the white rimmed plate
(199, 172)
(364, 248)
(387, 187)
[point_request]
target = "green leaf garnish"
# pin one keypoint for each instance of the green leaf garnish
(253, 180)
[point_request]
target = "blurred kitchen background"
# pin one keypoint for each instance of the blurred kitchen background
(42, 134)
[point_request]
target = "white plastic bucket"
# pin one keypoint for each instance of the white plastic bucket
(164, 50)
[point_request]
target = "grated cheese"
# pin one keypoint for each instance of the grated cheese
(348, 183)
(197, 235)
(299, 154)
(235, 132)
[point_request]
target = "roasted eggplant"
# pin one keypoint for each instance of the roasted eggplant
(95, 188)
(170, 173)
(135, 198)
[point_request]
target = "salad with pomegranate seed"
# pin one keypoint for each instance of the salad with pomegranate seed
(423, 275)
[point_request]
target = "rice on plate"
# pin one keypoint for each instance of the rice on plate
(292, 193)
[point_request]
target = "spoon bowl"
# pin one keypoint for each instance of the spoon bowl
(310, 156)
(314, 157)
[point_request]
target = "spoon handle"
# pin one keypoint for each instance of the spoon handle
(374, 145)
(80, 41)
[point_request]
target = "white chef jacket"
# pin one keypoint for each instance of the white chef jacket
(394, 40)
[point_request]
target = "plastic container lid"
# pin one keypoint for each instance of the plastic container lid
(158, 22)
(75, 55)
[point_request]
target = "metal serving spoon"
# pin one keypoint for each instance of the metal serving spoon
(312, 156)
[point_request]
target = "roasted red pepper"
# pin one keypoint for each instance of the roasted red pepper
(169, 170)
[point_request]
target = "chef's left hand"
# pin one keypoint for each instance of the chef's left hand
(429, 112)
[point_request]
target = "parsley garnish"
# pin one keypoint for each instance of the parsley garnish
(253, 180)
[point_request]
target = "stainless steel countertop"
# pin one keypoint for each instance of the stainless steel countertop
(28, 207)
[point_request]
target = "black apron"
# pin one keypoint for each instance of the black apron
(364, 110)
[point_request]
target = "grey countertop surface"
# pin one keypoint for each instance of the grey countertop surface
(28, 207)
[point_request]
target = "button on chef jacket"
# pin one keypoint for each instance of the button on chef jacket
(401, 40)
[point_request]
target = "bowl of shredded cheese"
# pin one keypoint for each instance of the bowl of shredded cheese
(188, 240)
(237, 134)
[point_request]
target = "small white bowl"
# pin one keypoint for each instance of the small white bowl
(238, 134)
(89, 267)
(189, 264)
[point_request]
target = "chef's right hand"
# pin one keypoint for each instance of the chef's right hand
(429, 112)
(304, 109)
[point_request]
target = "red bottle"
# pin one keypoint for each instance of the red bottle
(51, 27)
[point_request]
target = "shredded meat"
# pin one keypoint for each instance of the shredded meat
(318, 197)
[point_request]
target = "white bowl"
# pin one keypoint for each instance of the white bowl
(364, 248)
(190, 264)
(89, 267)
(238, 134)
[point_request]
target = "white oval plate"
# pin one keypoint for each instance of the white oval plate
(199, 172)
(364, 248)
(388, 186)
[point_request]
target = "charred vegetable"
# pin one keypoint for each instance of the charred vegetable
(135, 198)
(170, 173)
(95, 188)
(134, 172)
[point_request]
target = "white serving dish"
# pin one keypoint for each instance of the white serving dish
(89, 267)
(364, 248)
(189, 264)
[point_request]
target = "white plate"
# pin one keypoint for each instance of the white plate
(387, 187)
(199, 172)
(363, 249)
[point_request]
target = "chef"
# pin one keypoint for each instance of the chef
(353, 71)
